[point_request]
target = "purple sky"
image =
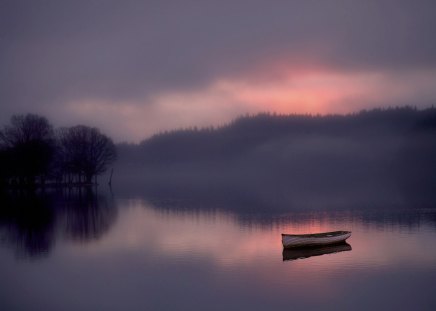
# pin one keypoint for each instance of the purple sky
(133, 68)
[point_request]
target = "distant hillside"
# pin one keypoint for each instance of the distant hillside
(250, 132)
(372, 156)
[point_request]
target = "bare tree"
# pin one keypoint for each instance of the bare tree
(29, 143)
(84, 152)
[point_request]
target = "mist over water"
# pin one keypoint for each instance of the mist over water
(374, 159)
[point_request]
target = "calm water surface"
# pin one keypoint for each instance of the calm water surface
(103, 252)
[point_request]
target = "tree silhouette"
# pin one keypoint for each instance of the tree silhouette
(27, 146)
(84, 152)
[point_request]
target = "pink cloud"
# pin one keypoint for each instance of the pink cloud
(314, 91)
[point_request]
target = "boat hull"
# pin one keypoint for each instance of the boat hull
(319, 239)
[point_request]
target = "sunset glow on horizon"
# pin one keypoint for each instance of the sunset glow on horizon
(311, 92)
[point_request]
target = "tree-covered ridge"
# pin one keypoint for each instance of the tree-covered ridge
(248, 132)
(371, 158)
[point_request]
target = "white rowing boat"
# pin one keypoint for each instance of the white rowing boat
(317, 239)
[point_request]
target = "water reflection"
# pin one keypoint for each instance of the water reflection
(276, 206)
(215, 260)
(87, 215)
(306, 252)
(27, 224)
(222, 238)
(30, 223)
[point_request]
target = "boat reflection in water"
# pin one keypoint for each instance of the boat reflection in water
(306, 252)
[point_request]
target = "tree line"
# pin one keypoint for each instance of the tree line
(247, 133)
(33, 153)
(375, 159)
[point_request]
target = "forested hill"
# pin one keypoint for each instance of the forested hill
(376, 158)
(250, 132)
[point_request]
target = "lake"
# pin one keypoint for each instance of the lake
(105, 251)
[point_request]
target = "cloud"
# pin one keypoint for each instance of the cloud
(315, 92)
(135, 120)
(56, 53)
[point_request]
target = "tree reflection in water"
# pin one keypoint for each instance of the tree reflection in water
(87, 215)
(30, 222)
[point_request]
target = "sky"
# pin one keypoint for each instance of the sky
(134, 68)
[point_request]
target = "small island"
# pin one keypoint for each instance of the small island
(33, 154)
